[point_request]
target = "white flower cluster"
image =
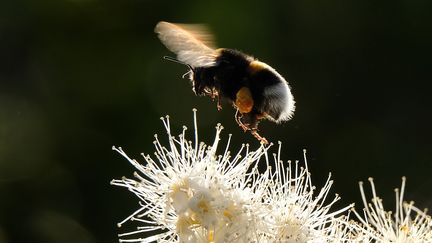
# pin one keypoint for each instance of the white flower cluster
(407, 224)
(188, 193)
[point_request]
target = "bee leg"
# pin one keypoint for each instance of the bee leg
(238, 117)
(262, 140)
(255, 119)
(215, 95)
(244, 104)
(219, 106)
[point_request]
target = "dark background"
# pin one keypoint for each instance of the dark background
(78, 76)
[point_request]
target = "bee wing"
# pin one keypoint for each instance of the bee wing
(193, 44)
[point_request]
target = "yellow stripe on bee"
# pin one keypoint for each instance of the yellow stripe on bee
(244, 101)
(256, 66)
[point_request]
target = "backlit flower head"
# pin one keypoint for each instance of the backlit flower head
(407, 224)
(189, 194)
(296, 212)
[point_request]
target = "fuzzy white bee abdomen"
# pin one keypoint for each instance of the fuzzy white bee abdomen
(279, 104)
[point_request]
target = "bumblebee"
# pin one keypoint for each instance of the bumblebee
(254, 88)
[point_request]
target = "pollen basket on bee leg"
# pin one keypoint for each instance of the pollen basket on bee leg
(244, 101)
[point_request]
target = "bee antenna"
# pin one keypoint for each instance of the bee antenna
(172, 59)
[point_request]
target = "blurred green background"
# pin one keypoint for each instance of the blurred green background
(78, 76)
